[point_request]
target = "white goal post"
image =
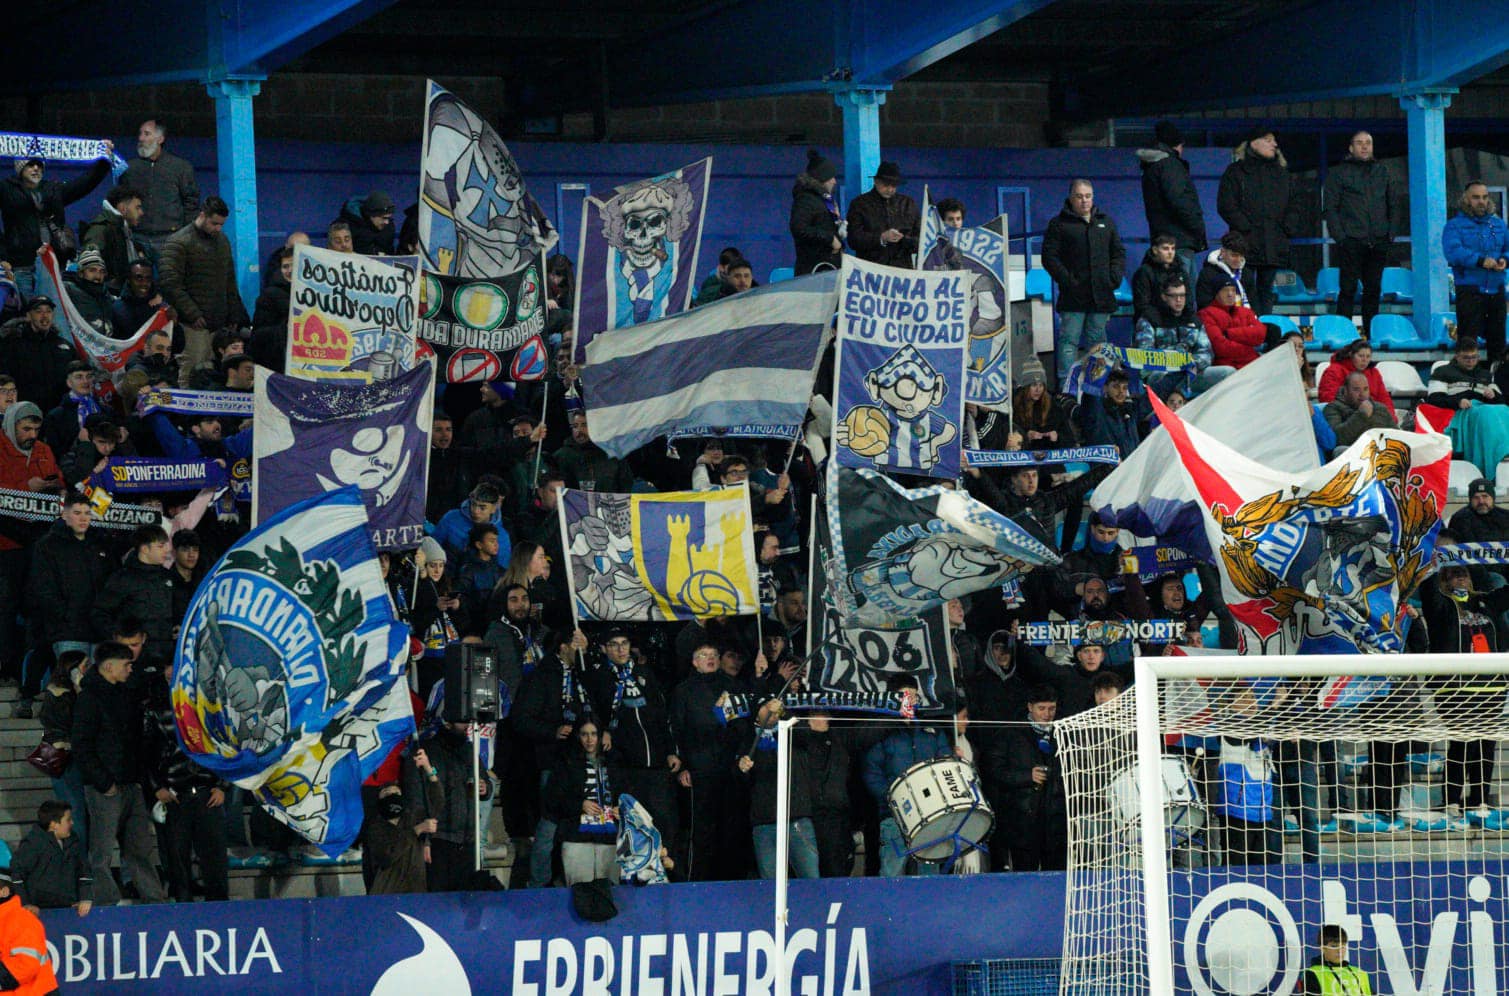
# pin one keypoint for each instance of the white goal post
(1171, 889)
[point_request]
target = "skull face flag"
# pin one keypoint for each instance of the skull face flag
(1319, 562)
(902, 337)
(638, 253)
(475, 217)
(313, 437)
(659, 557)
(899, 552)
(288, 674)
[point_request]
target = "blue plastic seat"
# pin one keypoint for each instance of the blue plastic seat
(1290, 289)
(1328, 283)
(1039, 284)
(1284, 322)
(781, 273)
(1398, 284)
(1396, 332)
(1334, 331)
(1124, 292)
(1440, 337)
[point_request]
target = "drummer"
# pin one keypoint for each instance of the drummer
(914, 742)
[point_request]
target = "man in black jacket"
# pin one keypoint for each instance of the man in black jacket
(191, 798)
(1036, 818)
(1481, 522)
(817, 232)
(112, 233)
(1169, 197)
(37, 353)
(1256, 200)
(30, 204)
(107, 747)
(169, 191)
(142, 588)
(1083, 253)
(1364, 211)
(883, 224)
(68, 568)
(453, 469)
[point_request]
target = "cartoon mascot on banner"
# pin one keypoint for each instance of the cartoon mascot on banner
(903, 430)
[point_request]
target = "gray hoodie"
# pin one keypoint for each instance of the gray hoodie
(13, 415)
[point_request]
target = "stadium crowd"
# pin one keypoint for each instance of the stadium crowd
(593, 711)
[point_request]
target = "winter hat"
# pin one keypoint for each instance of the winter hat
(37, 300)
(1481, 486)
(820, 169)
(23, 163)
(90, 257)
(432, 550)
(1168, 133)
(1258, 131)
(1032, 373)
(377, 202)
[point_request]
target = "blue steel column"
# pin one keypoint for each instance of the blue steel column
(861, 110)
(1425, 115)
(237, 154)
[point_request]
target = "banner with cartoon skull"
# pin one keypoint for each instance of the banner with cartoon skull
(898, 553)
(899, 392)
(288, 676)
(313, 437)
(637, 260)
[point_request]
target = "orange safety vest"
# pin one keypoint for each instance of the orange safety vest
(23, 950)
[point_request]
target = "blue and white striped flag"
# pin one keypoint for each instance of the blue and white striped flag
(750, 358)
(289, 673)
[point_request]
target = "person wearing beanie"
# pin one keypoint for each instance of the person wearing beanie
(1257, 201)
(1169, 198)
(371, 221)
(1221, 265)
(884, 223)
(817, 231)
(87, 291)
(31, 207)
(1234, 330)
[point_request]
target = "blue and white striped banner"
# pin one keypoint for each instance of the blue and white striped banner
(748, 359)
(1492, 554)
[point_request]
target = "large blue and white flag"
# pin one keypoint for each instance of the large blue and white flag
(983, 253)
(314, 436)
(288, 677)
(899, 393)
(899, 552)
(746, 360)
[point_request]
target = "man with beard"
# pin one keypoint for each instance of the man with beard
(1482, 521)
(1476, 245)
(169, 192)
(516, 637)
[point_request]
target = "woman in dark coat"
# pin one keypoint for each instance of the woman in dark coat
(816, 227)
(580, 799)
(269, 337)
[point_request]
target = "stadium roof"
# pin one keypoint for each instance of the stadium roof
(577, 54)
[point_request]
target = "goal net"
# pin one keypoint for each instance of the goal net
(1230, 816)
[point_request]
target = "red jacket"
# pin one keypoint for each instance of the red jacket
(17, 468)
(1336, 375)
(1235, 333)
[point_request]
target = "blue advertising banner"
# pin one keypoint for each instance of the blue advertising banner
(887, 937)
(899, 397)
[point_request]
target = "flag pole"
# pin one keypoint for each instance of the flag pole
(576, 623)
(539, 448)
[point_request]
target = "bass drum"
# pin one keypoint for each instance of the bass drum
(939, 808)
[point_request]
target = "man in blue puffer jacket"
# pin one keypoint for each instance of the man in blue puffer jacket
(1476, 244)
